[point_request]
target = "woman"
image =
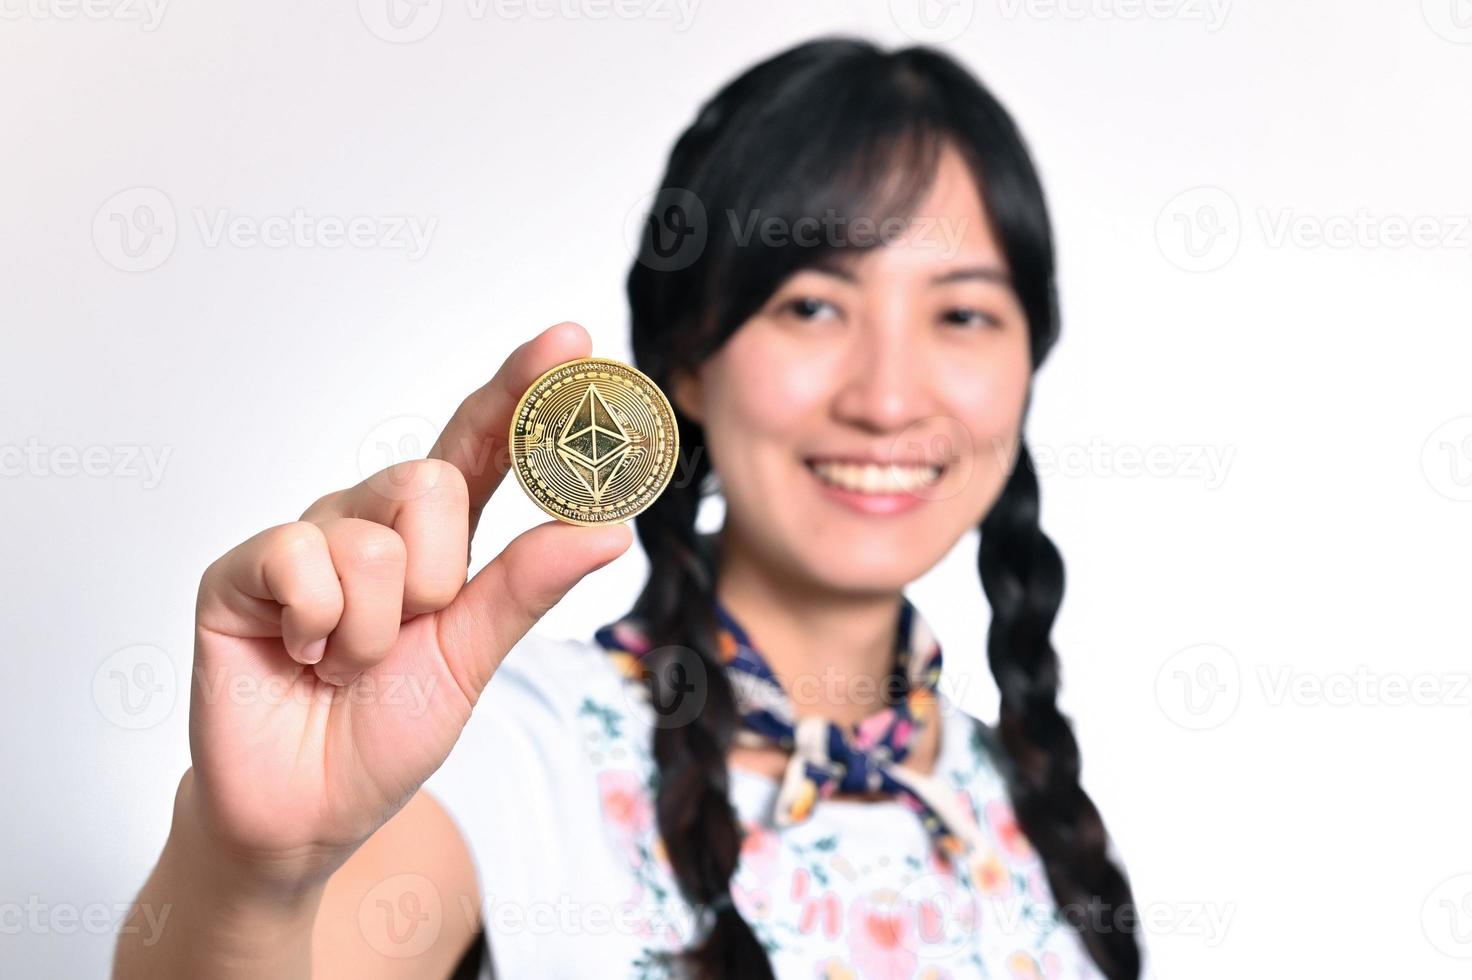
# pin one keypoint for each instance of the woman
(846, 293)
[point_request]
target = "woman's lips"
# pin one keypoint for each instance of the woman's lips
(876, 490)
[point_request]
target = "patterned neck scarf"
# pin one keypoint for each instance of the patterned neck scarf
(828, 758)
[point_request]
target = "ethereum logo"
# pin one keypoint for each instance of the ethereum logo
(593, 444)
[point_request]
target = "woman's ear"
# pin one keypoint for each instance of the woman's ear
(686, 392)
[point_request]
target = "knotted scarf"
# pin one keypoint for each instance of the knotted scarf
(826, 757)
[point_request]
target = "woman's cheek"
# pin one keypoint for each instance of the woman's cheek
(992, 410)
(775, 390)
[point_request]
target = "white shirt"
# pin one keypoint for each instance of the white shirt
(550, 785)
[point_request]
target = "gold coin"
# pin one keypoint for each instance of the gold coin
(594, 441)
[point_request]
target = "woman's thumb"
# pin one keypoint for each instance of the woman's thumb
(516, 588)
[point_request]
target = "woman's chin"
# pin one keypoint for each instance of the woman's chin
(870, 567)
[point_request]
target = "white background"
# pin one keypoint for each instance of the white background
(1237, 618)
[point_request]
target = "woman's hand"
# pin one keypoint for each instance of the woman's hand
(337, 658)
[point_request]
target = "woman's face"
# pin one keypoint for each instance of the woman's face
(868, 414)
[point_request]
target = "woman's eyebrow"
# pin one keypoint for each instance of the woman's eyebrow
(989, 273)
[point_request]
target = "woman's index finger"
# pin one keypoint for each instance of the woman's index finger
(474, 440)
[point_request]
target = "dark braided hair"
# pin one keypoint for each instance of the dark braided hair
(1022, 574)
(839, 126)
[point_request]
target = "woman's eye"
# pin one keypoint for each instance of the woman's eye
(808, 308)
(965, 316)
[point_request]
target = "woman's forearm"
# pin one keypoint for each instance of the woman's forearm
(199, 915)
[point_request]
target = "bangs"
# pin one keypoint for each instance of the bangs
(830, 178)
(812, 159)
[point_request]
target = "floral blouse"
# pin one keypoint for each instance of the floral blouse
(552, 785)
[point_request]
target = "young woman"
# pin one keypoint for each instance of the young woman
(752, 773)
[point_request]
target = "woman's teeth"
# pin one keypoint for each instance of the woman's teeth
(874, 478)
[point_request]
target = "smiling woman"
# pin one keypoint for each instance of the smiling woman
(862, 407)
(753, 772)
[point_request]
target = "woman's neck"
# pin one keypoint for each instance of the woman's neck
(832, 652)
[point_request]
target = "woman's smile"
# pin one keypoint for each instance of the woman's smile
(873, 488)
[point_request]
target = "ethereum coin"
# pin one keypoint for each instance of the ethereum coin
(594, 441)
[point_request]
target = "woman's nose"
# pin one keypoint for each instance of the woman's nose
(886, 385)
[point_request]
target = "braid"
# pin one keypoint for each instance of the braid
(1022, 574)
(697, 822)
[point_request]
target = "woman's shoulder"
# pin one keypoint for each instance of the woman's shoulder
(527, 784)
